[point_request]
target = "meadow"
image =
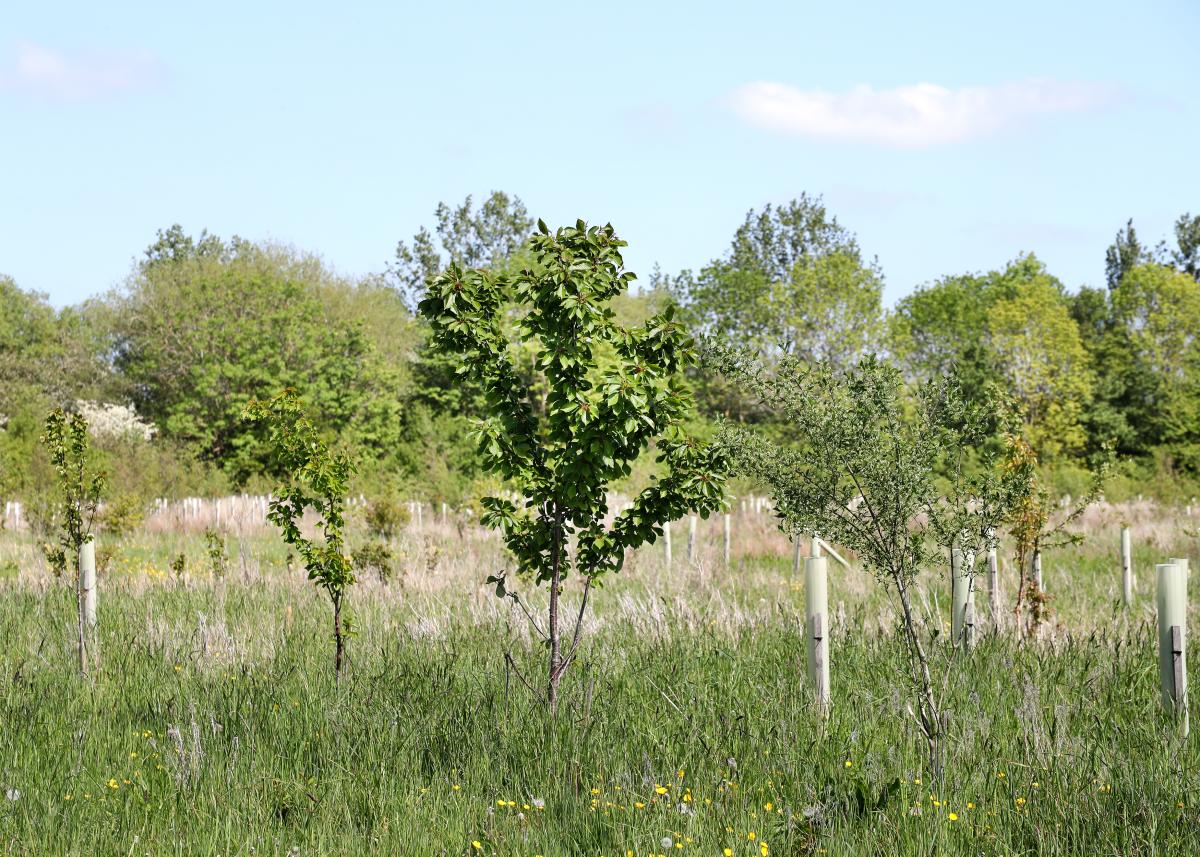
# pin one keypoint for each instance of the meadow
(215, 725)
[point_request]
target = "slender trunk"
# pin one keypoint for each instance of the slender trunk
(930, 720)
(555, 672)
(339, 641)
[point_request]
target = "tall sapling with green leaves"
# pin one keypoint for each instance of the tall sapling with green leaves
(80, 485)
(318, 480)
(605, 393)
(868, 473)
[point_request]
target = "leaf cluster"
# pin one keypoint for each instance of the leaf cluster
(894, 478)
(603, 393)
(79, 484)
(318, 479)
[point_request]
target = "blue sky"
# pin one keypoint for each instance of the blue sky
(950, 136)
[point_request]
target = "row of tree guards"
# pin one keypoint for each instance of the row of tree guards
(1170, 602)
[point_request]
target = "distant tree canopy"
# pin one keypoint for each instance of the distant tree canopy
(206, 326)
(1010, 329)
(485, 238)
(203, 325)
(792, 282)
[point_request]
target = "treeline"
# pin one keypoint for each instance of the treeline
(165, 364)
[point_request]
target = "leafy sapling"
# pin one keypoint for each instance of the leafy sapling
(866, 473)
(79, 488)
(318, 479)
(600, 394)
(1037, 523)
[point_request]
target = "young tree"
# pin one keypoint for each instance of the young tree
(898, 489)
(1037, 523)
(80, 486)
(605, 393)
(319, 480)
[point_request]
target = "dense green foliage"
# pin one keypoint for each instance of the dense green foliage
(603, 393)
(203, 325)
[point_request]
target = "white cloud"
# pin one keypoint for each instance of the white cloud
(917, 116)
(51, 75)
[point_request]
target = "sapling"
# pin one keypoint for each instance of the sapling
(1038, 524)
(599, 395)
(867, 472)
(318, 479)
(80, 485)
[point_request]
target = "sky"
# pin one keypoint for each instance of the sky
(949, 137)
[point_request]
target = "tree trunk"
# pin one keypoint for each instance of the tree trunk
(556, 666)
(929, 717)
(339, 641)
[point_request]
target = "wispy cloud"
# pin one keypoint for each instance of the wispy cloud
(917, 116)
(46, 74)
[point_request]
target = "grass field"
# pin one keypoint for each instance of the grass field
(215, 726)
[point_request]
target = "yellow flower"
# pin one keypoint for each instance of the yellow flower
(113, 784)
(638, 805)
(1020, 801)
(660, 790)
(728, 852)
(953, 816)
(681, 774)
(768, 806)
(1000, 775)
(595, 791)
(752, 836)
(970, 805)
(849, 764)
(456, 787)
(764, 850)
(477, 845)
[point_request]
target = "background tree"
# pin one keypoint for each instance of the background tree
(1040, 354)
(941, 329)
(610, 391)
(486, 238)
(1010, 327)
(793, 281)
(205, 327)
(1186, 255)
(1124, 253)
(1158, 308)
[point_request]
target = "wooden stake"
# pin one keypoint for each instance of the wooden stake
(667, 544)
(728, 535)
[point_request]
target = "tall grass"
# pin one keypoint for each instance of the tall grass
(215, 726)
